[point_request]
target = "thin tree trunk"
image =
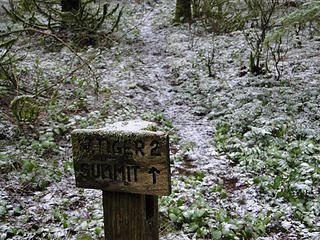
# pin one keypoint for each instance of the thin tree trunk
(70, 5)
(183, 11)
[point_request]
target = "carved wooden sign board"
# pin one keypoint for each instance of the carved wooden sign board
(122, 158)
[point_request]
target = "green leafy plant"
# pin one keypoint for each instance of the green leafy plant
(85, 237)
(271, 146)
(3, 208)
(210, 223)
(159, 118)
(7, 164)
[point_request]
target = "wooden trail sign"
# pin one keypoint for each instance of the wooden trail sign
(130, 163)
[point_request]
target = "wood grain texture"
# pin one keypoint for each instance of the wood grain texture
(130, 216)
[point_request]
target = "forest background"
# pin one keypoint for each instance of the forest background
(235, 83)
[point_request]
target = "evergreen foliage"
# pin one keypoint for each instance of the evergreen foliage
(306, 13)
(82, 25)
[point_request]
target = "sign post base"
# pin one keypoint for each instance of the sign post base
(130, 216)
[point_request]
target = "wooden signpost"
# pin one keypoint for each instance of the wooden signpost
(130, 163)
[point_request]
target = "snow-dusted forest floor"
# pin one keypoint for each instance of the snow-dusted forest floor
(244, 151)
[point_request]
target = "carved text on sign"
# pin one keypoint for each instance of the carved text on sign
(122, 161)
(112, 173)
(109, 173)
(125, 148)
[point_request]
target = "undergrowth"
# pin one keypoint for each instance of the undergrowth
(271, 130)
(187, 209)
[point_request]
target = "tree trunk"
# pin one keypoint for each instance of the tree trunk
(183, 11)
(70, 5)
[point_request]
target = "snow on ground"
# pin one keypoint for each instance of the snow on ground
(157, 71)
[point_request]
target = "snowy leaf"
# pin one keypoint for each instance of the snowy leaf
(188, 214)
(173, 217)
(216, 234)
(192, 227)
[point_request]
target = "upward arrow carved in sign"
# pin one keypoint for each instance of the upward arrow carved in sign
(154, 172)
